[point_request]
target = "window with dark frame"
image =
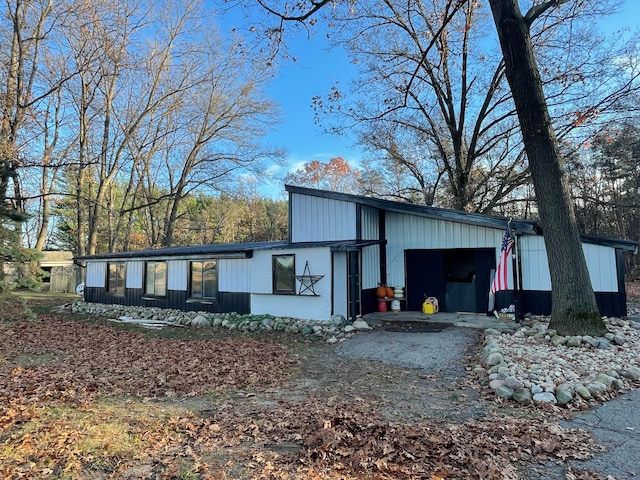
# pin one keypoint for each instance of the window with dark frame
(156, 279)
(204, 280)
(116, 278)
(284, 270)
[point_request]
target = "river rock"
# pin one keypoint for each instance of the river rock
(589, 340)
(513, 383)
(361, 325)
(495, 384)
(619, 340)
(632, 373)
(563, 396)
(504, 392)
(583, 392)
(596, 388)
(200, 321)
(604, 379)
(535, 389)
(544, 397)
(522, 396)
(574, 341)
(494, 359)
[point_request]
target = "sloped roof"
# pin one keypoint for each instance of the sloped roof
(229, 250)
(521, 226)
(53, 258)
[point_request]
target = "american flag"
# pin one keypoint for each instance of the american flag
(501, 280)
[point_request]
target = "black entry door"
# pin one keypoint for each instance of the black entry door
(353, 279)
(424, 276)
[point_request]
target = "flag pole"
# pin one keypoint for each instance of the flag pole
(517, 278)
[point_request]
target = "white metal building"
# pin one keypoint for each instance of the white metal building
(340, 249)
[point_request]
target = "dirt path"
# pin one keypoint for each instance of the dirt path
(389, 370)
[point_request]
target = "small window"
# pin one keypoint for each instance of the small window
(204, 280)
(284, 269)
(115, 277)
(156, 275)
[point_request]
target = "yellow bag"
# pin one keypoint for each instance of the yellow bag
(430, 306)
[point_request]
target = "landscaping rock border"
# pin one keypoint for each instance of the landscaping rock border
(335, 330)
(534, 364)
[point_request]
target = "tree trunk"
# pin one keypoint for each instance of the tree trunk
(574, 308)
(169, 229)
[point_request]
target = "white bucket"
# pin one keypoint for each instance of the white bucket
(395, 305)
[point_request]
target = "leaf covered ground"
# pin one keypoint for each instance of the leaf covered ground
(82, 398)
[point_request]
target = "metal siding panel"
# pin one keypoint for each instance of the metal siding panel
(609, 304)
(370, 223)
(96, 274)
(133, 274)
(132, 296)
(340, 284)
(535, 265)
(159, 302)
(316, 219)
(177, 274)
(370, 267)
(228, 302)
(233, 275)
(601, 262)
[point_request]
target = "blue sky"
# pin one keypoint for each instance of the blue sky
(314, 72)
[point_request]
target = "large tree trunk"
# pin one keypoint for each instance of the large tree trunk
(574, 308)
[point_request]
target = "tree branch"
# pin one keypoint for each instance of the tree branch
(537, 10)
(315, 7)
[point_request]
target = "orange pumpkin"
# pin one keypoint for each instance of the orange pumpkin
(389, 292)
(381, 291)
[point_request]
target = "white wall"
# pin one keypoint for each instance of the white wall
(317, 219)
(601, 262)
(299, 306)
(602, 267)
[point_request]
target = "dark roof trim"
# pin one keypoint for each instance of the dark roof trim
(521, 226)
(229, 250)
(611, 242)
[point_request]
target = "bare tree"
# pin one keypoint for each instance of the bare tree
(160, 114)
(217, 128)
(26, 27)
(574, 307)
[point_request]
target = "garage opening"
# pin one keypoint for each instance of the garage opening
(459, 278)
